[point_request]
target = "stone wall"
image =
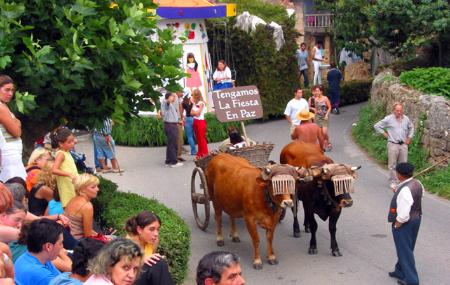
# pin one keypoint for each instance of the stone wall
(386, 89)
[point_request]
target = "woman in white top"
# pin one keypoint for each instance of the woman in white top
(11, 129)
(222, 76)
(317, 61)
(199, 111)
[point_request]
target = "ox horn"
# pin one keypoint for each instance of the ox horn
(267, 170)
(354, 168)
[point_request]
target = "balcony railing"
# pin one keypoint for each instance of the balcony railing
(317, 21)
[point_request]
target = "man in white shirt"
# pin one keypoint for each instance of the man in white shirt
(294, 106)
(317, 62)
(405, 214)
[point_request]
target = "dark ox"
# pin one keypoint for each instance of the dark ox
(316, 189)
(243, 190)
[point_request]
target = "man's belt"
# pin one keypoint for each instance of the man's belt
(400, 142)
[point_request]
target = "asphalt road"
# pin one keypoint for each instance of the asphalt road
(363, 233)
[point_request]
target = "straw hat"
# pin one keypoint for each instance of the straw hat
(305, 115)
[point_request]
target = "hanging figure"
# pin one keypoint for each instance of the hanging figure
(193, 82)
(222, 76)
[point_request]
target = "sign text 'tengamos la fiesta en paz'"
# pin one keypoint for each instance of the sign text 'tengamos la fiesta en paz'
(237, 104)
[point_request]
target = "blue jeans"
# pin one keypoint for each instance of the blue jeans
(189, 131)
(405, 240)
(304, 72)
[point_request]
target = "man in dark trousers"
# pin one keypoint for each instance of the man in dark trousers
(334, 78)
(405, 214)
(170, 118)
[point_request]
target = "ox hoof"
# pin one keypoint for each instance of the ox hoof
(336, 253)
(257, 266)
(296, 234)
(220, 243)
(273, 261)
(307, 230)
(312, 251)
(235, 239)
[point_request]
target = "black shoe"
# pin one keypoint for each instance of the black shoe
(337, 111)
(181, 159)
(403, 282)
(394, 274)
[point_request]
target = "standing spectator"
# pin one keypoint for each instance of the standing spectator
(405, 214)
(82, 253)
(170, 118)
(222, 76)
(398, 130)
(105, 148)
(143, 229)
(189, 123)
(117, 263)
(45, 241)
(178, 102)
(80, 210)
(11, 130)
(219, 268)
(294, 106)
(317, 62)
(334, 78)
(302, 61)
(323, 109)
(64, 166)
(199, 111)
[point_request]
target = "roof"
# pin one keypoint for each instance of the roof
(193, 9)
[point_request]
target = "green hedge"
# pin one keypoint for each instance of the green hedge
(113, 208)
(149, 131)
(352, 92)
(437, 181)
(433, 80)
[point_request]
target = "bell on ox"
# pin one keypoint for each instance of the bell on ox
(283, 184)
(343, 184)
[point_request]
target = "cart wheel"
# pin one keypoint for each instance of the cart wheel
(199, 197)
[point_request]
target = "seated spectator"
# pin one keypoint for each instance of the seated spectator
(80, 210)
(42, 191)
(219, 268)
(14, 216)
(234, 140)
(117, 263)
(6, 202)
(17, 187)
(38, 159)
(45, 241)
(6, 263)
(18, 248)
(86, 249)
(5, 279)
(143, 229)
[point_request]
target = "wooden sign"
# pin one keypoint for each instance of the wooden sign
(237, 104)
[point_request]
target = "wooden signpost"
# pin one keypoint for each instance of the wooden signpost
(238, 104)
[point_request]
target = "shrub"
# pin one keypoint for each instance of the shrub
(149, 131)
(113, 208)
(434, 80)
(436, 181)
(352, 92)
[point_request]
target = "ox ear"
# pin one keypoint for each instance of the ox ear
(261, 182)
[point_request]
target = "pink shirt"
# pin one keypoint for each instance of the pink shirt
(98, 280)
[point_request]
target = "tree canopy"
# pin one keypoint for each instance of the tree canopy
(396, 25)
(84, 60)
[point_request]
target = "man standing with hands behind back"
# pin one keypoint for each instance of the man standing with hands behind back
(405, 214)
(398, 130)
(170, 118)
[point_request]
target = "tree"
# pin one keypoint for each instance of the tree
(84, 60)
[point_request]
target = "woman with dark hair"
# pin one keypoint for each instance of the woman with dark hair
(323, 108)
(143, 229)
(11, 130)
(222, 76)
(86, 249)
(187, 105)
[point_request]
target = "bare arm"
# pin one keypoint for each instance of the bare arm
(199, 111)
(44, 192)
(288, 118)
(8, 234)
(327, 102)
(12, 125)
(87, 213)
(63, 262)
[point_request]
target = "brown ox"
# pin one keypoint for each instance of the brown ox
(318, 193)
(243, 190)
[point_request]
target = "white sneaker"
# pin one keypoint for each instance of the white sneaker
(178, 164)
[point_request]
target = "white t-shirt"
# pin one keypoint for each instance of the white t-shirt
(293, 107)
(201, 116)
(317, 53)
(226, 73)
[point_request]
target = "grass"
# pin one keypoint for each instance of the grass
(436, 181)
